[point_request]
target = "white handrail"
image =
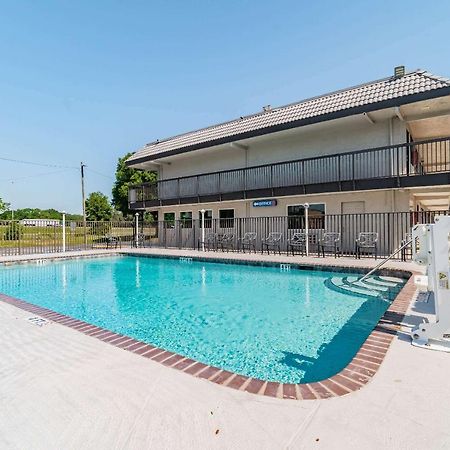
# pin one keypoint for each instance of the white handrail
(384, 261)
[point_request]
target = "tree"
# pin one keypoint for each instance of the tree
(126, 177)
(98, 207)
(3, 206)
(36, 213)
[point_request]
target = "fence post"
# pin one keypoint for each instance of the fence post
(306, 206)
(63, 231)
(202, 212)
(18, 234)
(136, 231)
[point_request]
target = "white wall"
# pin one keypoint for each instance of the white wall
(374, 201)
(336, 136)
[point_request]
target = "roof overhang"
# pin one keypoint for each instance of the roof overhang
(396, 102)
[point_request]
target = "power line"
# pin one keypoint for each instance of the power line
(99, 173)
(33, 163)
(13, 180)
(59, 166)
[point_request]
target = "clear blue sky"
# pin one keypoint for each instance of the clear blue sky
(91, 80)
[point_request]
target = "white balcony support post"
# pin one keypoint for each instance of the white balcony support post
(202, 212)
(136, 237)
(63, 231)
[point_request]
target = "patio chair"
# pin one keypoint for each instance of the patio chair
(139, 242)
(113, 242)
(272, 241)
(367, 241)
(407, 250)
(210, 242)
(108, 239)
(248, 241)
(297, 242)
(330, 240)
(226, 241)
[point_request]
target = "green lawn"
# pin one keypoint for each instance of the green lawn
(52, 236)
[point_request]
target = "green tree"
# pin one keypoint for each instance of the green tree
(3, 206)
(98, 207)
(126, 177)
(36, 213)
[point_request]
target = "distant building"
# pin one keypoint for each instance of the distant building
(40, 222)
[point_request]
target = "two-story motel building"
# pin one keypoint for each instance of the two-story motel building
(381, 146)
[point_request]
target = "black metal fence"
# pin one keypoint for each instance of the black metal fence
(342, 169)
(25, 237)
(391, 228)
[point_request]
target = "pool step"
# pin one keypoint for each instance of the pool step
(366, 284)
(341, 284)
(378, 282)
(391, 279)
(370, 287)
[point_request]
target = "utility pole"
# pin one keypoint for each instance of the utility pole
(82, 166)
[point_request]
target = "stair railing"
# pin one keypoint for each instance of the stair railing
(385, 261)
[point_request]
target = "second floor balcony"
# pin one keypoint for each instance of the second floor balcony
(402, 165)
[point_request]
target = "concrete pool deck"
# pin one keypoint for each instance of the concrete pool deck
(62, 389)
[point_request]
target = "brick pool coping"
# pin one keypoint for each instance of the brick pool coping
(353, 377)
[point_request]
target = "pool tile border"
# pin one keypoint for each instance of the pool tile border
(318, 265)
(361, 369)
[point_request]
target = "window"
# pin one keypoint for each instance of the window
(208, 218)
(226, 217)
(316, 216)
(169, 220)
(186, 219)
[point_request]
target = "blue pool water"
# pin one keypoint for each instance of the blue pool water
(252, 320)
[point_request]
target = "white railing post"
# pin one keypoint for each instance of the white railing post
(202, 212)
(136, 237)
(63, 231)
(306, 206)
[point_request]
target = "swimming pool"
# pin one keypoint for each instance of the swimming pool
(284, 326)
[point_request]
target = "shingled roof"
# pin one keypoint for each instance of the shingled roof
(393, 91)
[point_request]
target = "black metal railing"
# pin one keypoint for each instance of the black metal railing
(20, 237)
(392, 229)
(342, 171)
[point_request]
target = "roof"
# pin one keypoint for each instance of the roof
(392, 91)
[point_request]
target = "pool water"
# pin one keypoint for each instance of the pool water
(261, 322)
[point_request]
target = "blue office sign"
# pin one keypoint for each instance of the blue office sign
(264, 203)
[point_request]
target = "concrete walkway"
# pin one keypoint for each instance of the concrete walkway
(367, 263)
(62, 389)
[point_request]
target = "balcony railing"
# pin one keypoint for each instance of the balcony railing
(400, 165)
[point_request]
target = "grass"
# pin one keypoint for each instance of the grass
(52, 237)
